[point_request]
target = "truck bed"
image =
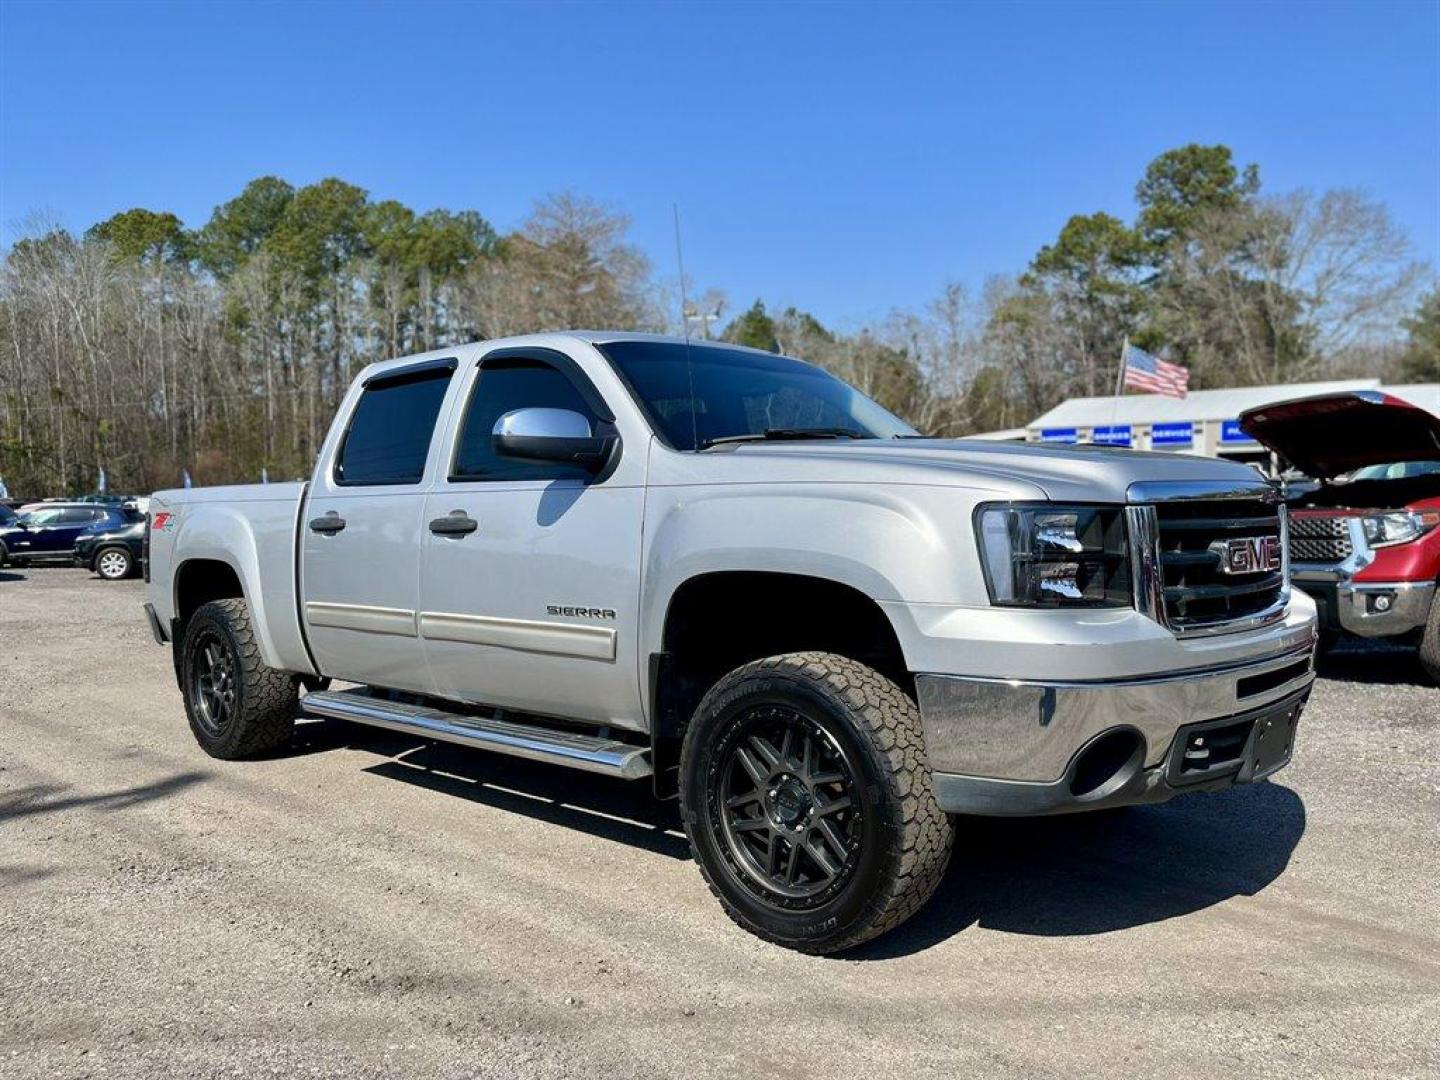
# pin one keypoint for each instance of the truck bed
(253, 529)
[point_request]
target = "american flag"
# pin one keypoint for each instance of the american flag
(1146, 372)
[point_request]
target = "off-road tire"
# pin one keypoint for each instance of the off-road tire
(261, 716)
(1430, 641)
(96, 565)
(904, 838)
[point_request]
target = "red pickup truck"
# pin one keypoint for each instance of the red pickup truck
(1365, 544)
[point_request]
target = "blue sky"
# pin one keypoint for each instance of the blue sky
(845, 158)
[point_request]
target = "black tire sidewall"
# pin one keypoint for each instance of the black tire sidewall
(129, 563)
(208, 619)
(1430, 639)
(880, 824)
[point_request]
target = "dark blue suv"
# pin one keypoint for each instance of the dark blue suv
(48, 533)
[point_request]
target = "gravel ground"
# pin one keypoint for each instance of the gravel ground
(372, 905)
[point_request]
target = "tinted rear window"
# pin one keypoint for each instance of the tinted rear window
(389, 435)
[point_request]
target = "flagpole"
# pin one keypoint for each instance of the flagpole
(1119, 381)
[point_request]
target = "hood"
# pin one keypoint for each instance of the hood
(1333, 434)
(1018, 470)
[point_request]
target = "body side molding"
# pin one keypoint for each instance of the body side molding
(558, 639)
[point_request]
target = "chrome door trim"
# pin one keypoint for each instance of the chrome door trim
(526, 635)
(367, 618)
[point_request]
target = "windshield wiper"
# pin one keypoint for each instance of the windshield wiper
(777, 433)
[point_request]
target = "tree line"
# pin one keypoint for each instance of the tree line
(147, 348)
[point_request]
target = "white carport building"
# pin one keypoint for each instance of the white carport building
(1206, 422)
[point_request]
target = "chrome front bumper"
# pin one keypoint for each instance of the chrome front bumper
(1370, 609)
(1014, 747)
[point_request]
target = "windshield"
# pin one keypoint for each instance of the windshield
(1400, 470)
(721, 393)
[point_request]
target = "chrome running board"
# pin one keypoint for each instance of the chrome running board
(591, 753)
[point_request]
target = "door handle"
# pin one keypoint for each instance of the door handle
(455, 523)
(328, 523)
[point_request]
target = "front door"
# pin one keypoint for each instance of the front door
(362, 532)
(536, 607)
(52, 531)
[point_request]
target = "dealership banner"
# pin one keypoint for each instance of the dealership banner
(1173, 434)
(1230, 433)
(1060, 435)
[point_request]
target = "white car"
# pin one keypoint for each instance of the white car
(732, 573)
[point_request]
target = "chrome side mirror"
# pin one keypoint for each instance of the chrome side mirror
(553, 435)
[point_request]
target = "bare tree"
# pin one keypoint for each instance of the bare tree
(1350, 265)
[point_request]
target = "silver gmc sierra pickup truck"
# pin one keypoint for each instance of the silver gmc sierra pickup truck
(733, 574)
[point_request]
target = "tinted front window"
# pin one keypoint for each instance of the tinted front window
(389, 435)
(696, 394)
(42, 517)
(501, 387)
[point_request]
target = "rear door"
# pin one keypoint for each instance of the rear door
(362, 531)
(59, 535)
(536, 608)
(39, 525)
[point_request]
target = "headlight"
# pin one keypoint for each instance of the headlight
(1045, 555)
(1398, 526)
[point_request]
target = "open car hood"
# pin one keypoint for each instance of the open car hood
(1333, 434)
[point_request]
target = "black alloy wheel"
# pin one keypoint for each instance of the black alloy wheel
(809, 803)
(213, 684)
(237, 706)
(782, 795)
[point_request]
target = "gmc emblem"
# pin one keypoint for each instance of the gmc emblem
(1248, 554)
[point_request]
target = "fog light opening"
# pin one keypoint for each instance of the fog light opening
(1106, 764)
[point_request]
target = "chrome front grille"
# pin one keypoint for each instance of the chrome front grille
(1320, 539)
(1186, 577)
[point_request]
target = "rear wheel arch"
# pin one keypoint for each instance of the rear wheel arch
(198, 582)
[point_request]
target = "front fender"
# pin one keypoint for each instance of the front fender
(887, 542)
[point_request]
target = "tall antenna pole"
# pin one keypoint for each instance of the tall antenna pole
(680, 260)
